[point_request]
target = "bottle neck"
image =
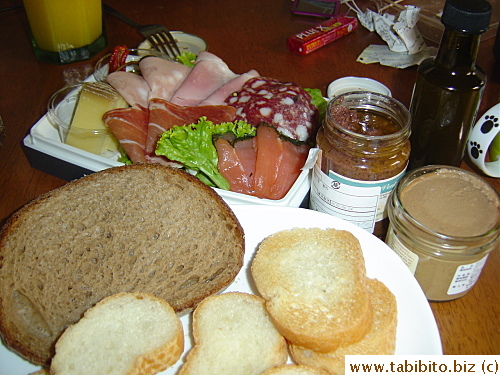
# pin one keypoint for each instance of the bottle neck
(458, 51)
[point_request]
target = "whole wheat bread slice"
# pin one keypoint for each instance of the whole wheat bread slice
(314, 284)
(126, 333)
(137, 228)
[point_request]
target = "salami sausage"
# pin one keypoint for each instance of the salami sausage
(284, 105)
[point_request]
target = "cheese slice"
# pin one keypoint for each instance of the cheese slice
(87, 131)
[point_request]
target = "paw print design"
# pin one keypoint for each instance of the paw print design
(475, 149)
(489, 123)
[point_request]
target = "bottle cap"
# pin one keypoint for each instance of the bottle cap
(467, 16)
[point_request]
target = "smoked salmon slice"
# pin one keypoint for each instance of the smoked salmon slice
(246, 150)
(294, 158)
(231, 168)
(268, 161)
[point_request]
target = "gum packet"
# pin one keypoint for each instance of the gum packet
(318, 36)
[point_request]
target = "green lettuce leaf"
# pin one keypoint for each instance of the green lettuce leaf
(187, 58)
(193, 146)
(318, 101)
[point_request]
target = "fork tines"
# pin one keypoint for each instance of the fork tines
(164, 42)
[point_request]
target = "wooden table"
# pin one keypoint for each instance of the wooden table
(248, 35)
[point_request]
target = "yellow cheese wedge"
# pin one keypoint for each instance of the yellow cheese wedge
(87, 131)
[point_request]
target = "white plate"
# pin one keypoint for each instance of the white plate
(186, 42)
(417, 331)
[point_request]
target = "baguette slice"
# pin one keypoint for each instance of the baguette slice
(380, 340)
(314, 284)
(124, 334)
(233, 334)
(137, 228)
(295, 370)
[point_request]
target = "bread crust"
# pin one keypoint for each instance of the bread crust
(314, 284)
(142, 227)
(380, 340)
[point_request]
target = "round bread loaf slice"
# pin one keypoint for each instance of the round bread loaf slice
(380, 340)
(314, 284)
(233, 334)
(126, 333)
(137, 228)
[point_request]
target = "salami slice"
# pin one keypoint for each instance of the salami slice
(284, 105)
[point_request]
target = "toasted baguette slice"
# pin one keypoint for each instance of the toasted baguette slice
(380, 340)
(137, 228)
(314, 284)
(233, 334)
(124, 334)
(295, 370)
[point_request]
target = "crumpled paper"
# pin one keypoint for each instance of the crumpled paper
(405, 45)
(384, 56)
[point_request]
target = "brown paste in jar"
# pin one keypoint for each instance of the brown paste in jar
(365, 155)
(451, 203)
(448, 202)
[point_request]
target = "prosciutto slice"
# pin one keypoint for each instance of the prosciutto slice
(209, 73)
(219, 96)
(163, 115)
(164, 77)
(132, 87)
(130, 125)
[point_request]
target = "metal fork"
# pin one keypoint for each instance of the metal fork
(158, 36)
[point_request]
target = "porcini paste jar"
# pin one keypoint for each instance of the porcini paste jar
(364, 152)
(444, 221)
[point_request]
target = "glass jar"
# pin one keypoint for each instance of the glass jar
(364, 152)
(444, 237)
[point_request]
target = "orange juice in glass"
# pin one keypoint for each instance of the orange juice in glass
(65, 31)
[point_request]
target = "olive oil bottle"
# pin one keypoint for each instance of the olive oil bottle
(449, 87)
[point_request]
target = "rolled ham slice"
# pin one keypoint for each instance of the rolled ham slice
(209, 73)
(219, 96)
(164, 77)
(132, 87)
(129, 126)
(163, 115)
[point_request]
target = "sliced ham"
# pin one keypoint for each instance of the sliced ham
(219, 96)
(163, 115)
(209, 73)
(132, 87)
(164, 77)
(129, 125)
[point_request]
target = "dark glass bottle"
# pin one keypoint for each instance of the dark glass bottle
(449, 87)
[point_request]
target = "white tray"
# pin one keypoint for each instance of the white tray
(44, 138)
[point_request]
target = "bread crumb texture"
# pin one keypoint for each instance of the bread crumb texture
(233, 334)
(126, 333)
(138, 228)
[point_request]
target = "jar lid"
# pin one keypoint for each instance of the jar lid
(347, 84)
(467, 16)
